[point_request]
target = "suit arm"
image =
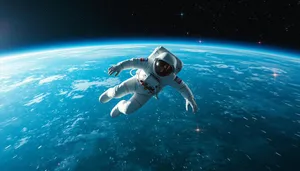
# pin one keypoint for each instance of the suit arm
(182, 87)
(185, 91)
(138, 63)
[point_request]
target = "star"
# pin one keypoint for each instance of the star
(181, 14)
(259, 42)
(286, 29)
(200, 41)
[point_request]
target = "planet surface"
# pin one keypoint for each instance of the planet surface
(248, 118)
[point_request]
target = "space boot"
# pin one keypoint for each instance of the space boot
(116, 110)
(107, 95)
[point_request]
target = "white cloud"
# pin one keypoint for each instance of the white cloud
(198, 65)
(129, 46)
(25, 81)
(90, 61)
(237, 72)
(18, 84)
(193, 50)
(36, 68)
(256, 79)
(294, 85)
(4, 77)
(8, 122)
(61, 92)
(77, 97)
(37, 99)
(269, 69)
(21, 142)
(221, 66)
(83, 85)
(72, 69)
(51, 78)
(7, 147)
(201, 69)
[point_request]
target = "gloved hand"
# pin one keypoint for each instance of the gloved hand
(115, 69)
(192, 103)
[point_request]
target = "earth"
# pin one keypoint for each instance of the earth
(248, 118)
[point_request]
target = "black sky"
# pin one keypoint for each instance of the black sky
(25, 23)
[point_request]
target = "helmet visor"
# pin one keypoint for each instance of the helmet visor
(162, 68)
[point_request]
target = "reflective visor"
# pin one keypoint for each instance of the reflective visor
(162, 68)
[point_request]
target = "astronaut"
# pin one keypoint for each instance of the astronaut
(153, 73)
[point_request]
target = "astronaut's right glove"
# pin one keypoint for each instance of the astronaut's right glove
(192, 103)
(115, 69)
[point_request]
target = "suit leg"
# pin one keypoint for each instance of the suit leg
(133, 104)
(127, 87)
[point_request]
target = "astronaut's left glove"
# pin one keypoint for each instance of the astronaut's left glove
(192, 103)
(115, 69)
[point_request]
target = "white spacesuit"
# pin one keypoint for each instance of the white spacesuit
(154, 73)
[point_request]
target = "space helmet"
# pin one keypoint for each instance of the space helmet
(164, 64)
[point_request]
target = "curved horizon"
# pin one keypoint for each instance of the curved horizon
(153, 41)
